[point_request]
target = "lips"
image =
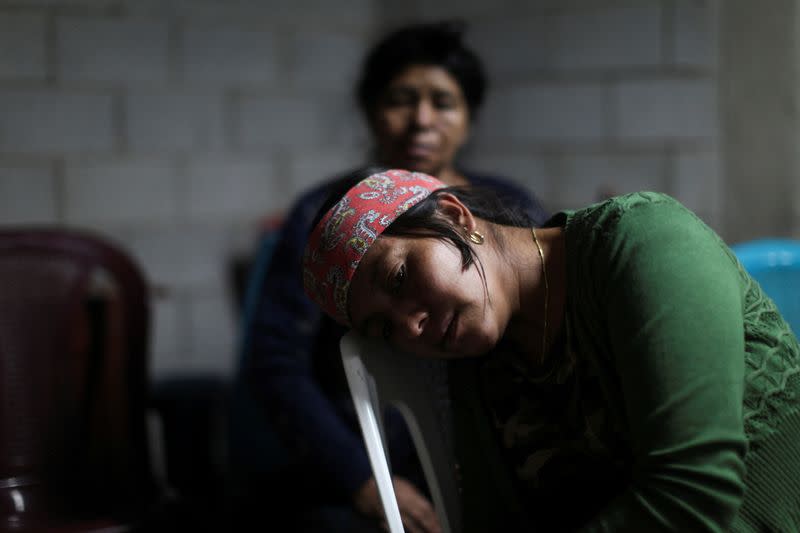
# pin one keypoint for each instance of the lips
(450, 332)
(419, 150)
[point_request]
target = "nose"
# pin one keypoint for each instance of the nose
(424, 113)
(410, 323)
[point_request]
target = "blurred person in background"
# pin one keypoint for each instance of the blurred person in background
(420, 90)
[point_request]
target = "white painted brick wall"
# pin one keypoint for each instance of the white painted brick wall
(173, 128)
(546, 112)
(27, 194)
(308, 169)
(120, 192)
(607, 38)
(591, 178)
(182, 123)
(271, 122)
(175, 120)
(695, 34)
(508, 46)
(68, 3)
(343, 127)
(296, 13)
(232, 188)
(184, 257)
(321, 13)
(22, 53)
(696, 184)
(796, 202)
(228, 55)
(166, 259)
(666, 109)
(43, 121)
(324, 60)
(112, 49)
(422, 9)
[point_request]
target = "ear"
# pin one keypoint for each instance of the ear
(453, 210)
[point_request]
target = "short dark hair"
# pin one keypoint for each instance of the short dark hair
(433, 43)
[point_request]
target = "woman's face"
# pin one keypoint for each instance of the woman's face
(414, 293)
(421, 120)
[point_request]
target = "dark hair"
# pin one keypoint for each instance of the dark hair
(434, 43)
(423, 220)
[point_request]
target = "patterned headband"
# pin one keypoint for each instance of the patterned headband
(342, 237)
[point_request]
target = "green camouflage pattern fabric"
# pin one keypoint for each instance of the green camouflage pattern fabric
(562, 442)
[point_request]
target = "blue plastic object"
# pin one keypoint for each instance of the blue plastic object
(775, 264)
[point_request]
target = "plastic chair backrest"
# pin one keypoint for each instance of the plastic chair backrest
(74, 314)
(775, 264)
(378, 376)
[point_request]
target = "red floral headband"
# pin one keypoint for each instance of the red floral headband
(342, 237)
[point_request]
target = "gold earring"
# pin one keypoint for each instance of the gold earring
(476, 237)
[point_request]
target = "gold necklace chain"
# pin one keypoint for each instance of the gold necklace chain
(546, 291)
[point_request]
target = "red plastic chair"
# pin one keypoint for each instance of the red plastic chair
(73, 379)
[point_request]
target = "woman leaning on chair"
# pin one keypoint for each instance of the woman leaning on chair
(420, 90)
(653, 386)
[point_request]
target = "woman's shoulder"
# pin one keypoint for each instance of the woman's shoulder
(512, 191)
(632, 224)
(640, 200)
(487, 179)
(630, 211)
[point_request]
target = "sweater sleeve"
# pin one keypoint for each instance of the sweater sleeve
(670, 297)
(280, 368)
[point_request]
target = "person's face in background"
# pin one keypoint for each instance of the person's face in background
(421, 120)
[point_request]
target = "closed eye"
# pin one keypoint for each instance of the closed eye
(444, 100)
(400, 97)
(399, 278)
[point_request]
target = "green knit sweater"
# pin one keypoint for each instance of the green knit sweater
(674, 404)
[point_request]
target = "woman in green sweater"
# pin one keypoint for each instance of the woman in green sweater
(648, 384)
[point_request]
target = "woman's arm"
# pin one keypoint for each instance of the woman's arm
(279, 363)
(673, 312)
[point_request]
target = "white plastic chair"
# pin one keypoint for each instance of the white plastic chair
(377, 376)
